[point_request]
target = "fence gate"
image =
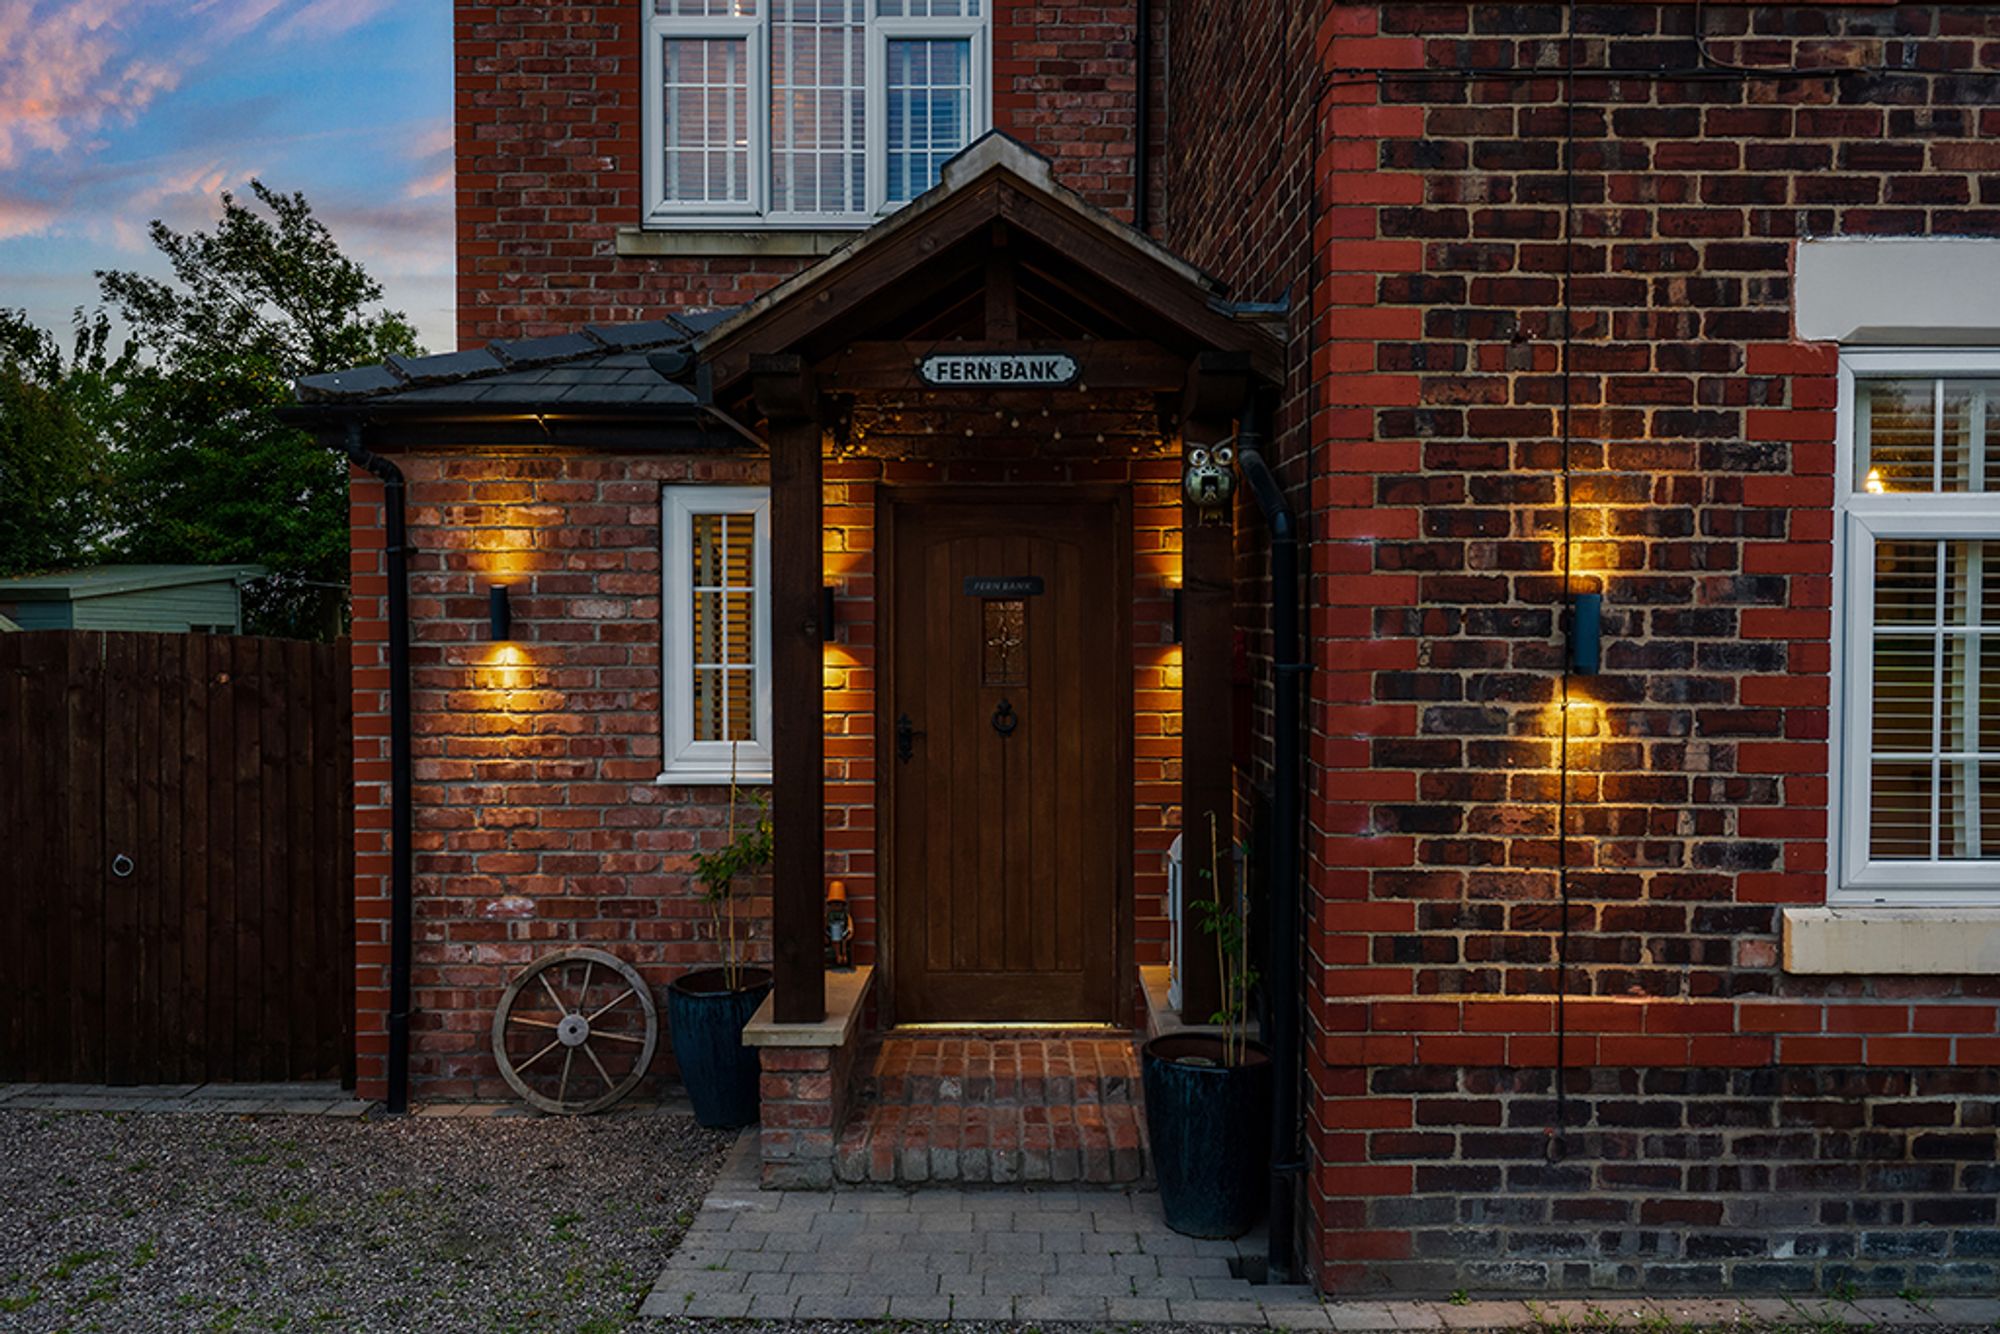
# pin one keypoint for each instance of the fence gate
(176, 846)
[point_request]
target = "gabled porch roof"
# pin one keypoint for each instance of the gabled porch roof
(998, 250)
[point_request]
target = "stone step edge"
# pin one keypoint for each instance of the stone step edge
(1053, 1091)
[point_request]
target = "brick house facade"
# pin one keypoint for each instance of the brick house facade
(1545, 277)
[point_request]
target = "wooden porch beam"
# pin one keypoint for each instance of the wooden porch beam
(784, 393)
(1108, 364)
(1213, 393)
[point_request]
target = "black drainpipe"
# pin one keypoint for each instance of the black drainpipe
(1283, 955)
(1142, 111)
(399, 765)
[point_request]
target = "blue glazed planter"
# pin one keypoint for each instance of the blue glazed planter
(706, 1019)
(1210, 1127)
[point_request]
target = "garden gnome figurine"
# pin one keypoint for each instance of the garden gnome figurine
(839, 928)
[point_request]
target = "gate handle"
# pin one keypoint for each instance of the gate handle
(121, 866)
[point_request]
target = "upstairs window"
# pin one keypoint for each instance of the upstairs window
(806, 113)
(1921, 606)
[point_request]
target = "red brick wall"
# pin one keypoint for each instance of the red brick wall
(538, 822)
(1701, 478)
(548, 107)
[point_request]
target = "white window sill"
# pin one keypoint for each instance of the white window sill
(734, 242)
(1892, 940)
(710, 775)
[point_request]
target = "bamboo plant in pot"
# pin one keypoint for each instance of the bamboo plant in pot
(1208, 1095)
(707, 1009)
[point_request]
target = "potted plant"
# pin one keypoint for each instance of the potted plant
(1208, 1095)
(707, 1009)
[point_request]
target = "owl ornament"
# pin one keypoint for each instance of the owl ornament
(1208, 480)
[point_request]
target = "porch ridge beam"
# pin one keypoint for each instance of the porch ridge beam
(783, 389)
(1106, 364)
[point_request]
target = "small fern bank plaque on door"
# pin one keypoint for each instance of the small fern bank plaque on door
(988, 370)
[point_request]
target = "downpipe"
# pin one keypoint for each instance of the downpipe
(400, 774)
(1288, 670)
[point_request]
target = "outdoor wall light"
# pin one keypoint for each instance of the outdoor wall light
(499, 615)
(1177, 615)
(826, 610)
(1586, 633)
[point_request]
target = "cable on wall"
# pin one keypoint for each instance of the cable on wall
(1556, 1131)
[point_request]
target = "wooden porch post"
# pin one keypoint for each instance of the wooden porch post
(1215, 390)
(785, 395)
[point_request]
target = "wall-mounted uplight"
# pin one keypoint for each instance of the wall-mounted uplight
(499, 615)
(1586, 633)
(826, 613)
(1177, 615)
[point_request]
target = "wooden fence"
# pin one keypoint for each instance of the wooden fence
(176, 851)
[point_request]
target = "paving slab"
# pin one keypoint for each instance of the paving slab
(1199, 1312)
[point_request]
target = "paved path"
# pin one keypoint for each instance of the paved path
(301, 1099)
(1052, 1253)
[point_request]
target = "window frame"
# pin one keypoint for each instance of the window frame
(685, 760)
(1862, 519)
(664, 214)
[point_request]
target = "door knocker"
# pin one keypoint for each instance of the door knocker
(1005, 720)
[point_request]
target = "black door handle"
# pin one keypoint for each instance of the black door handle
(1005, 720)
(906, 735)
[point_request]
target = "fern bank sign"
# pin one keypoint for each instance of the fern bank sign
(997, 370)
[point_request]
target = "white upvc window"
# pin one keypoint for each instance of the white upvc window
(715, 572)
(806, 113)
(1918, 569)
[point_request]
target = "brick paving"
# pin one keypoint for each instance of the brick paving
(998, 1110)
(1052, 1252)
(293, 1099)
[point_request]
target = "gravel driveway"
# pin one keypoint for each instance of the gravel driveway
(152, 1222)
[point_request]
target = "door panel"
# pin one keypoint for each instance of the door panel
(1007, 826)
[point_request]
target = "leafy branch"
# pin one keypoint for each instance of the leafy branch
(1227, 920)
(743, 854)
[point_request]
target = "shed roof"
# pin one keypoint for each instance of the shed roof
(104, 580)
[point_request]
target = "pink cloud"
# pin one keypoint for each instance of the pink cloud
(25, 217)
(64, 74)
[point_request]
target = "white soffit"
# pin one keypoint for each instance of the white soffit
(1929, 292)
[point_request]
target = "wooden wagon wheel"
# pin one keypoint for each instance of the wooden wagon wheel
(566, 1048)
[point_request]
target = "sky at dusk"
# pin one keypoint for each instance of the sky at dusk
(116, 112)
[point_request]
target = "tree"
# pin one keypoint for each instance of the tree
(54, 415)
(203, 470)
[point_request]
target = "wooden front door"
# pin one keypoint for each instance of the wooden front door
(1007, 713)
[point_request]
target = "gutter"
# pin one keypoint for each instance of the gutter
(1282, 954)
(400, 774)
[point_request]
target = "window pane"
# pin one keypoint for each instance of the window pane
(724, 638)
(1905, 690)
(1899, 811)
(1928, 435)
(818, 66)
(1935, 734)
(932, 9)
(1896, 421)
(703, 9)
(1906, 583)
(705, 97)
(929, 117)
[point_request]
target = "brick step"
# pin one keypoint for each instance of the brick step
(1018, 1090)
(900, 1144)
(1025, 1072)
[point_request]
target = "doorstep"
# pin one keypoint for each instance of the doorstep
(1017, 1108)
